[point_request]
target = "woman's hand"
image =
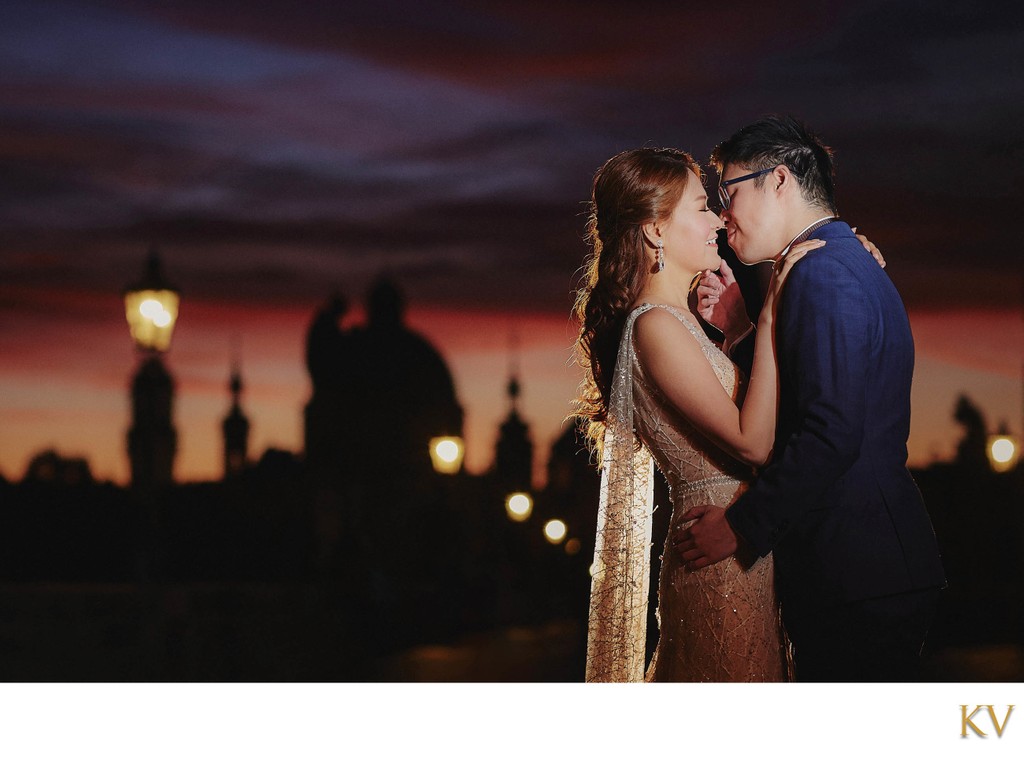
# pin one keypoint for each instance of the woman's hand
(720, 303)
(780, 271)
(870, 248)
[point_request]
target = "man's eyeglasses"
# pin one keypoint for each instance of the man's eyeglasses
(724, 197)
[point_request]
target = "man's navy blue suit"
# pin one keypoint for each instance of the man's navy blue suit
(837, 505)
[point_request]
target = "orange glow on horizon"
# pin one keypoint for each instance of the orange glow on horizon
(64, 381)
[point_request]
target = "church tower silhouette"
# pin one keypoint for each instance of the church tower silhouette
(236, 430)
(513, 462)
(381, 392)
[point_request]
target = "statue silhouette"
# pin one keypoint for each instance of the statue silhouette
(970, 452)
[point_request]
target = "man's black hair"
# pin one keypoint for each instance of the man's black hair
(776, 140)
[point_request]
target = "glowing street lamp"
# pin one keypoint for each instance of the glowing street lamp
(519, 506)
(446, 453)
(151, 307)
(1003, 452)
(555, 531)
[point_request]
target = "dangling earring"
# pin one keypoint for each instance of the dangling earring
(661, 256)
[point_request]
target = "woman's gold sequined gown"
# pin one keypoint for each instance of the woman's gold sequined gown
(720, 623)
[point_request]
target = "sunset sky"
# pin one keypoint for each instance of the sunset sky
(278, 151)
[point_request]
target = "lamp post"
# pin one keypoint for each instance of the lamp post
(446, 454)
(1003, 452)
(519, 506)
(151, 308)
(555, 531)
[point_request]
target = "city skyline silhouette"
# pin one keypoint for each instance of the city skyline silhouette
(274, 157)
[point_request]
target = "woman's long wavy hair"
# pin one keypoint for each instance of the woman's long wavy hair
(632, 189)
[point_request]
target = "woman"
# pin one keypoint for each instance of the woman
(653, 375)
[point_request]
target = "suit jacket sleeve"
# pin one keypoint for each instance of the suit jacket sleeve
(823, 336)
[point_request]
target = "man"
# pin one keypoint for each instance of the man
(856, 561)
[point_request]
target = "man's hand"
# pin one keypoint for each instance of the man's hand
(720, 303)
(709, 540)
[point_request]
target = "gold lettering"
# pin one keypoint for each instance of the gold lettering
(992, 714)
(965, 721)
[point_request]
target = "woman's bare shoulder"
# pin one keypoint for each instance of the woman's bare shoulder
(662, 334)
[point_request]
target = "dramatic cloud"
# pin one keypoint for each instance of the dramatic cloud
(276, 155)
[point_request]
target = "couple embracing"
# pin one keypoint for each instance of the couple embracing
(798, 546)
